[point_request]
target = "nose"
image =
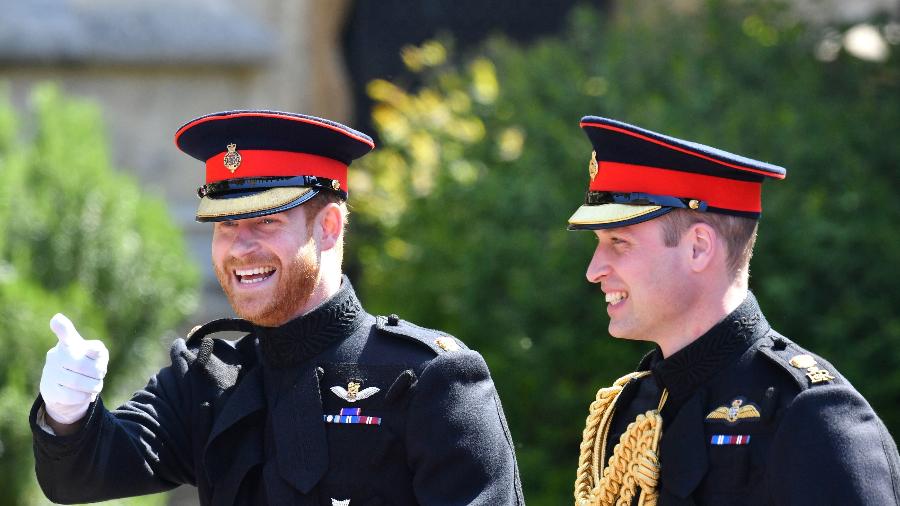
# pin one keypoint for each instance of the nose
(244, 242)
(599, 266)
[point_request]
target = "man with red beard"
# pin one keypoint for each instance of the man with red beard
(725, 410)
(320, 403)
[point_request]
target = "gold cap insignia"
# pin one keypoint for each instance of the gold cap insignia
(446, 343)
(352, 393)
(736, 412)
(694, 204)
(813, 371)
(232, 158)
(335, 185)
(593, 166)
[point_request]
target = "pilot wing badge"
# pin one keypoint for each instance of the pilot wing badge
(352, 393)
(739, 411)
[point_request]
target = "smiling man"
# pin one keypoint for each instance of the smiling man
(320, 403)
(725, 410)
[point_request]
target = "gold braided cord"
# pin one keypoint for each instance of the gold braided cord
(599, 417)
(634, 466)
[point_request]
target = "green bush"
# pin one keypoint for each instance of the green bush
(461, 212)
(81, 238)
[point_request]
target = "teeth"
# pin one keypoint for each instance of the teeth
(250, 281)
(616, 297)
(251, 272)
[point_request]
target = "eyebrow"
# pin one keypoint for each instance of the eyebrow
(616, 232)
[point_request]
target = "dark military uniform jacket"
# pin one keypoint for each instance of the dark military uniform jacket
(743, 426)
(336, 405)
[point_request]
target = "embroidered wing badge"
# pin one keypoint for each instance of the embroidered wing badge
(737, 412)
(352, 393)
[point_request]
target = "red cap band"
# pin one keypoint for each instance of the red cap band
(717, 192)
(265, 163)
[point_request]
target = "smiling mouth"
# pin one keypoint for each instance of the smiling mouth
(614, 298)
(250, 276)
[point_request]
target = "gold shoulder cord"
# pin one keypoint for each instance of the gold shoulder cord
(634, 463)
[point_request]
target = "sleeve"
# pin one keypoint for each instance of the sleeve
(459, 445)
(140, 448)
(831, 448)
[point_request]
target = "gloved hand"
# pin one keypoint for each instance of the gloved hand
(73, 373)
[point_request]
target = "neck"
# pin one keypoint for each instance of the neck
(327, 285)
(710, 308)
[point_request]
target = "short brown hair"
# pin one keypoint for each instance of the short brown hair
(738, 233)
(312, 206)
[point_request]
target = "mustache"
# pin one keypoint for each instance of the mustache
(231, 263)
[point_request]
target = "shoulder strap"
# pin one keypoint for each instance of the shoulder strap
(807, 369)
(439, 342)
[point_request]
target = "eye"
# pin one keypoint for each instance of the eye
(619, 244)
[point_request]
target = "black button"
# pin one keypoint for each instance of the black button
(393, 320)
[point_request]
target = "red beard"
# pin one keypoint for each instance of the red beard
(280, 304)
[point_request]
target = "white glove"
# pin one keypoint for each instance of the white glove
(73, 373)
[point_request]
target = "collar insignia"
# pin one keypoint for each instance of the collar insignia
(352, 393)
(813, 372)
(232, 158)
(738, 411)
(593, 166)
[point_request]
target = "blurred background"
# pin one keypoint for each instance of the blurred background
(458, 218)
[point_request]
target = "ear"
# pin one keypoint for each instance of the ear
(704, 244)
(329, 226)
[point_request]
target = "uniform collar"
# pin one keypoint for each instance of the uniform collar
(308, 335)
(698, 362)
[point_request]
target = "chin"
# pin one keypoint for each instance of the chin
(620, 333)
(253, 313)
(615, 331)
(263, 320)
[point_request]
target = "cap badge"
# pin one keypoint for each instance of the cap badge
(352, 393)
(734, 413)
(813, 372)
(232, 158)
(593, 166)
(335, 185)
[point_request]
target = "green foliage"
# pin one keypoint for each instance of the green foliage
(78, 237)
(461, 212)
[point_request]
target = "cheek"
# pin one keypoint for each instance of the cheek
(219, 250)
(668, 275)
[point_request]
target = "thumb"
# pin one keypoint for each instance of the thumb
(65, 331)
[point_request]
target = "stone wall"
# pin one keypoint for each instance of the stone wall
(152, 69)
